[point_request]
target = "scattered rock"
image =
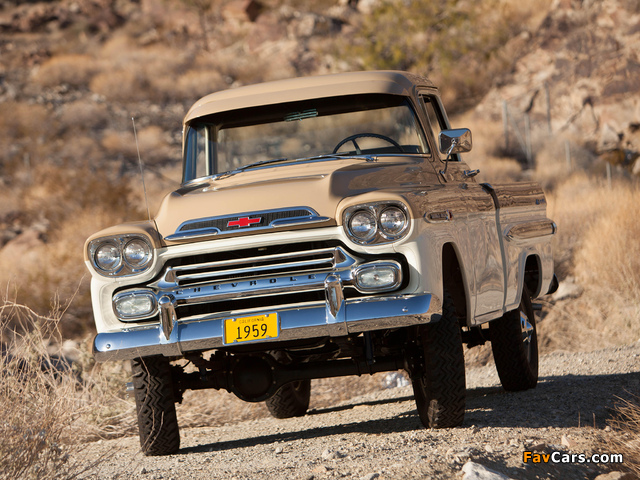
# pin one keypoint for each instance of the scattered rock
(332, 454)
(475, 471)
(538, 447)
(371, 476)
(566, 442)
(278, 450)
(616, 476)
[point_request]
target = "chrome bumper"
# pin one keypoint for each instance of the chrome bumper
(338, 317)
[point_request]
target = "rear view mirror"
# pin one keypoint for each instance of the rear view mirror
(455, 141)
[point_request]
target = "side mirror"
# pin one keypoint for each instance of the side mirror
(455, 141)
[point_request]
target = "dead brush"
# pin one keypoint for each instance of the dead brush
(626, 423)
(46, 406)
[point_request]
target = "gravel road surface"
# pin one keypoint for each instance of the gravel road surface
(379, 436)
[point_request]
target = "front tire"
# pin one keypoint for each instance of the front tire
(157, 420)
(439, 380)
(514, 342)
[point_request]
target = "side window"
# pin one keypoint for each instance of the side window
(197, 152)
(437, 122)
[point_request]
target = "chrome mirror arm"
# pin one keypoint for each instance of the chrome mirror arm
(454, 142)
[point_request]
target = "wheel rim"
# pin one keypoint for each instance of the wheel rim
(528, 330)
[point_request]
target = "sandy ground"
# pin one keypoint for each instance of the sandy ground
(380, 435)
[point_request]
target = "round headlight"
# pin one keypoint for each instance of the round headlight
(393, 221)
(137, 253)
(362, 225)
(107, 257)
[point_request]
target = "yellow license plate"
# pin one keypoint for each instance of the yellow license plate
(246, 329)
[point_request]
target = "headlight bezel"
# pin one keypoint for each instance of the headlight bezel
(125, 267)
(381, 235)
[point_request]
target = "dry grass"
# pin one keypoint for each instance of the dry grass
(48, 403)
(596, 247)
(626, 423)
(73, 70)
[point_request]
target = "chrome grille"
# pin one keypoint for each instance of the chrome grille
(206, 285)
(323, 260)
(270, 278)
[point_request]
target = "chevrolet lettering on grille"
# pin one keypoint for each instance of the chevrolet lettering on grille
(244, 222)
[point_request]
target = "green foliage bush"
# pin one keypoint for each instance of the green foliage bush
(459, 44)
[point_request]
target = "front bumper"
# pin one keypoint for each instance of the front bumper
(337, 317)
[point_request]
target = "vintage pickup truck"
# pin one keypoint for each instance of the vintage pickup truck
(324, 226)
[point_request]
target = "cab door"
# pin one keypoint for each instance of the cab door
(482, 252)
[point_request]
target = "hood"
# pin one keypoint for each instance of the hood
(281, 191)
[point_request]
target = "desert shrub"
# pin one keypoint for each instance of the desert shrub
(59, 208)
(609, 256)
(133, 73)
(596, 248)
(626, 423)
(47, 402)
(19, 120)
(460, 44)
(198, 83)
(551, 166)
(83, 115)
(73, 70)
(573, 205)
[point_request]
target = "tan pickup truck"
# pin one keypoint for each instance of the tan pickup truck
(325, 226)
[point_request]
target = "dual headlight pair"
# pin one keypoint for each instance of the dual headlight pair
(376, 223)
(123, 255)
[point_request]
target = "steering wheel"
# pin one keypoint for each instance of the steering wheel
(352, 139)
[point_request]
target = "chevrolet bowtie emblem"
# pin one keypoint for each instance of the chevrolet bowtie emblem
(244, 222)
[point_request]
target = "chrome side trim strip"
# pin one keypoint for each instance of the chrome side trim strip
(530, 230)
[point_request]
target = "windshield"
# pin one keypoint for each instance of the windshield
(354, 125)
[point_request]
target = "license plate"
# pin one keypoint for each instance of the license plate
(246, 329)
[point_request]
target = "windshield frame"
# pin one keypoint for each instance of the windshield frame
(278, 113)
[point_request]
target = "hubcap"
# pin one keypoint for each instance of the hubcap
(527, 332)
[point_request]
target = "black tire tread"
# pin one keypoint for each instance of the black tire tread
(157, 419)
(290, 400)
(440, 389)
(514, 369)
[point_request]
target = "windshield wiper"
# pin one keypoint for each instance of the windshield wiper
(368, 158)
(245, 167)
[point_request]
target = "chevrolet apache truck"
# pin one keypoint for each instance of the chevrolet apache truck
(324, 226)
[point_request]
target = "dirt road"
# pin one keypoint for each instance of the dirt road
(380, 436)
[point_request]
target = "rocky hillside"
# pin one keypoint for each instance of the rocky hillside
(580, 79)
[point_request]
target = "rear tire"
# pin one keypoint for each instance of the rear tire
(290, 400)
(157, 420)
(439, 382)
(514, 342)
